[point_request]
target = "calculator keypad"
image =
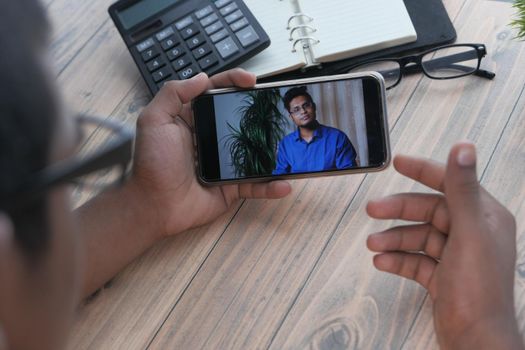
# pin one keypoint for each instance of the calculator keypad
(227, 47)
(168, 43)
(150, 54)
(161, 74)
(209, 20)
(200, 41)
(155, 64)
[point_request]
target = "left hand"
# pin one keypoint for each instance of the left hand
(462, 249)
(164, 170)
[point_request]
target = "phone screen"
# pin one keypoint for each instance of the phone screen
(295, 129)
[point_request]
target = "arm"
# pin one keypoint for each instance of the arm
(345, 153)
(162, 196)
(282, 166)
(469, 245)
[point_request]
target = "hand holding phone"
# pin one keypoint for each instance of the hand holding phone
(302, 128)
(163, 174)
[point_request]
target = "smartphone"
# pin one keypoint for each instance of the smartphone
(321, 126)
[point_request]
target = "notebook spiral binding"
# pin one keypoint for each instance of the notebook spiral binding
(304, 39)
(298, 15)
(305, 26)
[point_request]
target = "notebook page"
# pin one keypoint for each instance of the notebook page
(348, 28)
(278, 57)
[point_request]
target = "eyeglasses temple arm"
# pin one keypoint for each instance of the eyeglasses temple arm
(485, 74)
(460, 57)
(480, 72)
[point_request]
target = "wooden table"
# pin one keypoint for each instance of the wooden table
(295, 273)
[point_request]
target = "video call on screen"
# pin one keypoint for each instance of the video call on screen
(324, 129)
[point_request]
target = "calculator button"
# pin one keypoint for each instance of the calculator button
(155, 64)
(239, 24)
(183, 23)
(188, 72)
(181, 62)
(227, 47)
(222, 3)
(195, 41)
(146, 44)
(219, 35)
(247, 36)
(168, 43)
(233, 17)
(201, 51)
(190, 31)
(163, 34)
(150, 54)
(228, 9)
(208, 61)
(213, 28)
(174, 53)
(209, 20)
(204, 12)
(161, 74)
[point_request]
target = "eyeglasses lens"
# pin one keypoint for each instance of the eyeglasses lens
(299, 109)
(450, 62)
(390, 70)
(94, 138)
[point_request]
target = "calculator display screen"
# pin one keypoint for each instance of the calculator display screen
(141, 10)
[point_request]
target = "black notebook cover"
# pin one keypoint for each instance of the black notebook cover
(433, 28)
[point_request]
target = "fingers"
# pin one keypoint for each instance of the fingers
(420, 207)
(275, 189)
(173, 99)
(417, 267)
(169, 101)
(462, 191)
(415, 238)
(461, 182)
(425, 171)
(271, 190)
(234, 77)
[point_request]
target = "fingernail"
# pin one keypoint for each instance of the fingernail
(466, 156)
(200, 74)
(374, 200)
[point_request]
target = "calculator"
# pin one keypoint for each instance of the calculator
(177, 39)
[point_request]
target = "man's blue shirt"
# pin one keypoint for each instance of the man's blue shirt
(329, 149)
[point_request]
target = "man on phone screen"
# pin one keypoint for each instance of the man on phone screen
(313, 146)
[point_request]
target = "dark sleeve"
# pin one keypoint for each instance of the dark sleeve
(345, 155)
(282, 166)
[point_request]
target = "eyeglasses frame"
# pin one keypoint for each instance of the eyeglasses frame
(418, 67)
(310, 104)
(117, 151)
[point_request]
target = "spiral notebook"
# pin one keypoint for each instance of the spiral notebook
(306, 33)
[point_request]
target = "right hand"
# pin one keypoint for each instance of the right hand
(468, 241)
(164, 166)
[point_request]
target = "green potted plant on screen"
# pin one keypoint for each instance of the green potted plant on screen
(519, 23)
(253, 145)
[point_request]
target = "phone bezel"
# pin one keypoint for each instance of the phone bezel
(334, 172)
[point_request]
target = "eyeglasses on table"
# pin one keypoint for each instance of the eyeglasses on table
(444, 62)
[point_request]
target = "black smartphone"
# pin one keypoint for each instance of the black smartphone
(330, 125)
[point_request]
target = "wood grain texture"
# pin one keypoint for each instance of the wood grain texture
(500, 178)
(429, 126)
(74, 24)
(295, 273)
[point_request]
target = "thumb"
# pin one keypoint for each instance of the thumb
(169, 101)
(461, 183)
